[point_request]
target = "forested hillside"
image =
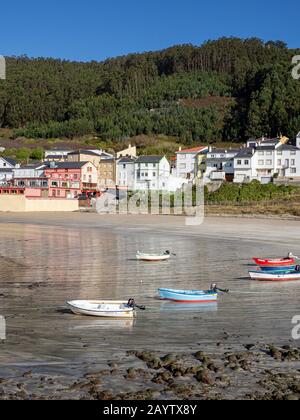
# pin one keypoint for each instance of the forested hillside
(227, 90)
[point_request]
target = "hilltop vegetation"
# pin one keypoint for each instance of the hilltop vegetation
(224, 90)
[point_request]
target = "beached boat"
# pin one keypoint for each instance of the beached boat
(163, 256)
(104, 309)
(274, 275)
(276, 264)
(186, 296)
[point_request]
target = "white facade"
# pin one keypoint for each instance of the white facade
(265, 162)
(151, 173)
(6, 170)
(125, 173)
(219, 164)
(186, 162)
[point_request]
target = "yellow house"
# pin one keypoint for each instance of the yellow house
(107, 173)
(84, 156)
(130, 151)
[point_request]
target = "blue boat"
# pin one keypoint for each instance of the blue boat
(189, 296)
(279, 268)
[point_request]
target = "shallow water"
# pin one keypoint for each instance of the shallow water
(44, 264)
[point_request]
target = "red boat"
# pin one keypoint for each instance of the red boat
(277, 262)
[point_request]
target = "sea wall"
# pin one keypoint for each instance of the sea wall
(18, 203)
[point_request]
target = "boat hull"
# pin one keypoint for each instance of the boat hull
(274, 276)
(275, 263)
(183, 296)
(152, 258)
(279, 268)
(102, 309)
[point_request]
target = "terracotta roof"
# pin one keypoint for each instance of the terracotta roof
(193, 150)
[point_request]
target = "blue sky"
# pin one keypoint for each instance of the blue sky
(97, 29)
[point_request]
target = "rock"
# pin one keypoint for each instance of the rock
(249, 346)
(292, 397)
(205, 377)
(131, 374)
(155, 364)
(275, 353)
(169, 358)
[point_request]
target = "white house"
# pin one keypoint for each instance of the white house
(151, 173)
(220, 164)
(186, 162)
(6, 169)
(264, 162)
(125, 172)
(30, 176)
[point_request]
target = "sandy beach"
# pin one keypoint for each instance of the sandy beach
(240, 348)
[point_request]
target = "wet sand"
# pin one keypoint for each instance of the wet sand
(47, 259)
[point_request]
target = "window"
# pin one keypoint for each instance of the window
(239, 162)
(279, 163)
(293, 162)
(269, 153)
(261, 162)
(182, 157)
(146, 174)
(279, 153)
(269, 162)
(75, 176)
(261, 153)
(154, 174)
(54, 184)
(293, 170)
(293, 153)
(246, 162)
(182, 166)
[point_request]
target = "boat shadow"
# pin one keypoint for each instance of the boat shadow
(64, 311)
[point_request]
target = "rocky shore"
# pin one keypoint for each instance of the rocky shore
(252, 372)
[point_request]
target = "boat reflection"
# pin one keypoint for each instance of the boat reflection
(189, 307)
(106, 324)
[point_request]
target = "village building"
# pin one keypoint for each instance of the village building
(125, 173)
(56, 155)
(219, 165)
(107, 173)
(31, 179)
(264, 163)
(129, 152)
(152, 173)
(71, 179)
(84, 156)
(6, 169)
(186, 162)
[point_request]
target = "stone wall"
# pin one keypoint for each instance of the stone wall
(19, 203)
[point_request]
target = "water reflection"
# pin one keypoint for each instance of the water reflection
(189, 307)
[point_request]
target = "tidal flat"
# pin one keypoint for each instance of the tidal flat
(240, 348)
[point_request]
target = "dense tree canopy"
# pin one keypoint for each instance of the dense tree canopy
(157, 93)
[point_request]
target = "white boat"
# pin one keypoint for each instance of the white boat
(163, 256)
(274, 276)
(104, 309)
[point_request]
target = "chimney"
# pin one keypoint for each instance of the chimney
(180, 148)
(210, 149)
(253, 150)
(52, 165)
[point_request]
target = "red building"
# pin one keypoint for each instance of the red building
(71, 179)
